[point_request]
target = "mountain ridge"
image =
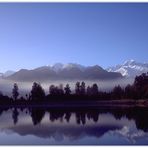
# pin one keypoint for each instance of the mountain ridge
(70, 71)
(130, 68)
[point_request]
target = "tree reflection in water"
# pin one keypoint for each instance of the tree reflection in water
(37, 115)
(138, 114)
(15, 114)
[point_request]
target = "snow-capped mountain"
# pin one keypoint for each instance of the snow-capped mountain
(64, 72)
(74, 65)
(130, 68)
(59, 66)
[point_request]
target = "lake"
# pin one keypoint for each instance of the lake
(74, 126)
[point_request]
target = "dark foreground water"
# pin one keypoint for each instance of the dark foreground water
(74, 126)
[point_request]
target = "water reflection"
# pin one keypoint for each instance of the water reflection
(77, 123)
(37, 115)
(138, 114)
(15, 114)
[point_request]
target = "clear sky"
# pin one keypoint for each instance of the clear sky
(33, 35)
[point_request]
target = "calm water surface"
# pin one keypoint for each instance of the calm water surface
(88, 126)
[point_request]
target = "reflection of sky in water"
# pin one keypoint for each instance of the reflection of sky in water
(131, 135)
(107, 130)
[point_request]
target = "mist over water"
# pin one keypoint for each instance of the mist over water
(25, 87)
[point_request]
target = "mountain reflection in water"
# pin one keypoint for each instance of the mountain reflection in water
(74, 126)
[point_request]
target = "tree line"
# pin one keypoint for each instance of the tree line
(138, 90)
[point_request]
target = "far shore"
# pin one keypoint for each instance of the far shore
(83, 104)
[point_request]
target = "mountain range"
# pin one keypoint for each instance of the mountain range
(59, 71)
(72, 71)
(130, 68)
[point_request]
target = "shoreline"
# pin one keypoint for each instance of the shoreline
(83, 104)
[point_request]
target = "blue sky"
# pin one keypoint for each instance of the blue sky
(37, 34)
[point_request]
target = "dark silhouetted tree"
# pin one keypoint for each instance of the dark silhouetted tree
(67, 89)
(52, 90)
(94, 89)
(82, 88)
(128, 94)
(77, 88)
(55, 90)
(118, 92)
(15, 92)
(37, 92)
(141, 86)
(88, 90)
(60, 89)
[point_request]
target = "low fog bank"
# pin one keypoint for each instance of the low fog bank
(25, 87)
